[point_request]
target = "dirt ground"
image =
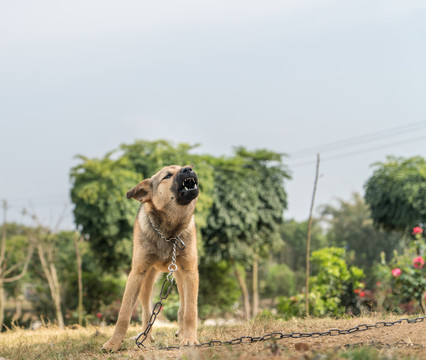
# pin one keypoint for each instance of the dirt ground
(400, 341)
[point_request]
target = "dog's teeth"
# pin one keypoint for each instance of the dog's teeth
(186, 188)
(195, 187)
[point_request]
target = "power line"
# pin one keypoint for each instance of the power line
(352, 153)
(359, 140)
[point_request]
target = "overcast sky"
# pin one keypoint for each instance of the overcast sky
(82, 77)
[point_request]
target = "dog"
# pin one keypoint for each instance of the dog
(168, 201)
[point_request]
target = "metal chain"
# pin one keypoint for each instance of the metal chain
(165, 290)
(297, 335)
(179, 242)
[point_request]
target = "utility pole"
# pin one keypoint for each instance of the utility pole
(308, 240)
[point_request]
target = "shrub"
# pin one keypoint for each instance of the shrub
(332, 288)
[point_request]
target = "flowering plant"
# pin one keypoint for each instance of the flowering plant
(409, 276)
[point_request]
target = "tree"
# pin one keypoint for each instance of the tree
(248, 204)
(293, 251)
(8, 272)
(101, 208)
(349, 225)
(98, 192)
(396, 193)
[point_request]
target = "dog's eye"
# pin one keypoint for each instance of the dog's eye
(168, 176)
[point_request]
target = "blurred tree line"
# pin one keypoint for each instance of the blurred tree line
(250, 257)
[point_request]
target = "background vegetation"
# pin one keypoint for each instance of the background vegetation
(367, 253)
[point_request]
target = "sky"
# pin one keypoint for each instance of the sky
(345, 79)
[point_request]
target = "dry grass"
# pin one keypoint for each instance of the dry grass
(403, 341)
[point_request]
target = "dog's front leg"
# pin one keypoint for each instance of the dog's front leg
(145, 299)
(190, 313)
(129, 299)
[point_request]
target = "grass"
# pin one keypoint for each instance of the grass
(403, 341)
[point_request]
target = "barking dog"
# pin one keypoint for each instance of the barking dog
(167, 203)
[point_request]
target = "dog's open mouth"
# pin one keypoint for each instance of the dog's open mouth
(187, 189)
(189, 184)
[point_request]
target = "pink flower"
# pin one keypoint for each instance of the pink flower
(362, 294)
(418, 262)
(378, 283)
(99, 315)
(357, 291)
(396, 272)
(417, 230)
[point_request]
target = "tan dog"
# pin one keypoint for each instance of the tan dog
(168, 202)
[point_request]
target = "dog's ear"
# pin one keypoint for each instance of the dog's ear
(141, 192)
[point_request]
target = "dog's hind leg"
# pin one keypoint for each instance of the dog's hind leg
(145, 299)
(179, 283)
(189, 318)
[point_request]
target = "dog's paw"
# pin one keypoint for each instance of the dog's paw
(189, 342)
(110, 347)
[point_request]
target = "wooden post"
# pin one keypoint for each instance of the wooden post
(308, 240)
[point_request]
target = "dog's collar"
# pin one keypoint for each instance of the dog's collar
(176, 239)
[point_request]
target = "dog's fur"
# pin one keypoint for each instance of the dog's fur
(170, 206)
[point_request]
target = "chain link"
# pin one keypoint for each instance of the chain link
(179, 242)
(297, 335)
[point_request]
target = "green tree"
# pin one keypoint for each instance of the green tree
(248, 204)
(15, 255)
(101, 209)
(396, 193)
(350, 226)
(293, 251)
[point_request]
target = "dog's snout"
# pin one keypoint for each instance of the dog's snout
(186, 170)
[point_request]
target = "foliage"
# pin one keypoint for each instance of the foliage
(100, 289)
(294, 234)
(218, 290)
(396, 193)
(349, 225)
(277, 280)
(409, 283)
(248, 204)
(101, 208)
(398, 285)
(331, 288)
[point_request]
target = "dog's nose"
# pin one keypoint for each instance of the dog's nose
(186, 170)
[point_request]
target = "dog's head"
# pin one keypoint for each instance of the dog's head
(172, 185)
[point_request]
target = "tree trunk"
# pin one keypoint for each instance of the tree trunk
(2, 304)
(52, 280)
(80, 281)
(244, 290)
(57, 297)
(255, 286)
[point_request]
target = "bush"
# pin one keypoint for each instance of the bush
(332, 288)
